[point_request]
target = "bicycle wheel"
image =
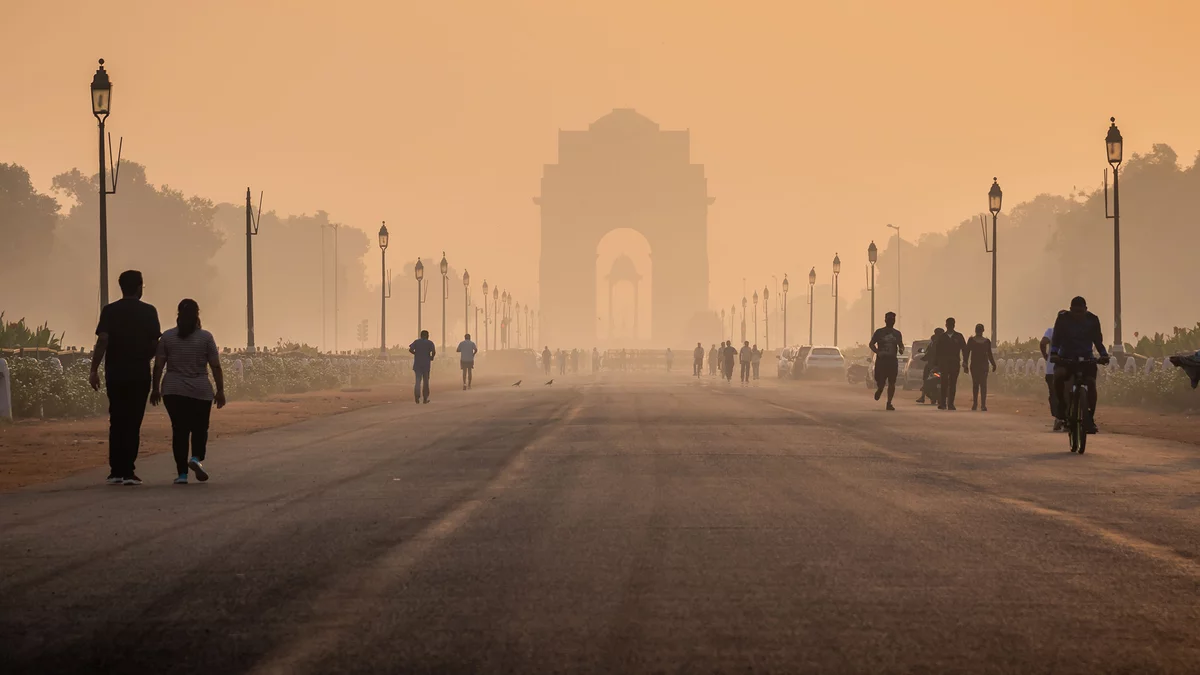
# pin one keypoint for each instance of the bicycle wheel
(1074, 420)
(1081, 404)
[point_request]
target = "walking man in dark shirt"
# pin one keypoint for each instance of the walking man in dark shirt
(949, 354)
(546, 359)
(126, 339)
(698, 360)
(423, 351)
(887, 343)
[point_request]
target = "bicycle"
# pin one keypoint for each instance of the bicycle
(1076, 404)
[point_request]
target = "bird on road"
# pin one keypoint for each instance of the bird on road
(517, 383)
(550, 383)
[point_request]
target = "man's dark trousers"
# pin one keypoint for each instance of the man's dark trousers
(950, 375)
(126, 408)
(1053, 397)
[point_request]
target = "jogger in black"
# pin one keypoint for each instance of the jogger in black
(126, 338)
(887, 343)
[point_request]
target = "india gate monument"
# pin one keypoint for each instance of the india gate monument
(623, 172)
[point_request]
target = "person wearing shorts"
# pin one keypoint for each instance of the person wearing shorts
(887, 343)
(467, 351)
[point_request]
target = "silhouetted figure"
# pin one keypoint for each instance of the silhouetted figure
(1076, 332)
(126, 339)
(595, 359)
(976, 358)
(466, 360)
(950, 346)
(574, 360)
(930, 362)
(546, 359)
(670, 359)
(755, 359)
(730, 358)
(887, 344)
(698, 360)
(1048, 353)
(712, 360)
(562, 362)
(745, 356)
(187, 352)
(423, 351)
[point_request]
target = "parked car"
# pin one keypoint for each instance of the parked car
(913, 372)
(825, 362)
(797, 361)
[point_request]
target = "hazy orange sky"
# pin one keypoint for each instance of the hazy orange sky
(818, 123)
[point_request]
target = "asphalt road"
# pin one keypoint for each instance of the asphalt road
(619, 525)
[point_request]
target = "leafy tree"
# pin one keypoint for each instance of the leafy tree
(27, 221)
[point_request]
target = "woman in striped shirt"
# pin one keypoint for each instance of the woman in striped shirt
(188, 352)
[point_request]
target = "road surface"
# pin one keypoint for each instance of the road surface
(619, 524)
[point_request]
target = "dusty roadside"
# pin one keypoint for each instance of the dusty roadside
(39, 451)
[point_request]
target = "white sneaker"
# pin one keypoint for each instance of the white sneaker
(114, 480)
(195, 465)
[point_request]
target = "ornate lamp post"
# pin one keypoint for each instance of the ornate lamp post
(744, 303)
(785, 292)
(766, 319)
(467, 301)
(812, 282)
(444, 268)
(873, 257)
(995, 197)
(1115, 144)
(101, 105)
(837, 269)
(486, 316)
(495, 311)
(385, 290)
(419, 273)
(755, 317)
(732, 314)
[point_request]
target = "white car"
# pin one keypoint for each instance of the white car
(825, 362)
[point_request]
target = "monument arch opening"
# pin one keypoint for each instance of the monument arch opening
(623, 172)
(624, 289)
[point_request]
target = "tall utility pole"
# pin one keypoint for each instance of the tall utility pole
(335, 227)
(899, 245)
(385, 290)
(812, 282)
(785, 292)
(872, 257)
(837, 269)
(251, 230)
(766, 318)
(444, 268)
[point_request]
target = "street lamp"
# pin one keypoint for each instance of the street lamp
(837, 269)
(467, 302)
(251, 230)
(486, 316)
(812, 282)
(419, 273)
(101, 105)
(766, 319)
(504, 320)
(517, 316)
(785, 292)
(756, 318)
(444, 268)
(899, 245)
(1115, 146)
(385, 290)
(995, 198)
(732, 314)
(495, 309)
(744, 303)
(873, 257)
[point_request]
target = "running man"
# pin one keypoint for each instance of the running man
(467, 351)
(423, 351)
(887, 343)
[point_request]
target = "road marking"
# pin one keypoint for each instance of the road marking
(348, 603)
(1157, 552)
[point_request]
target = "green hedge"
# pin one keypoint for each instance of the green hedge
(1158, 389)
(41, 389)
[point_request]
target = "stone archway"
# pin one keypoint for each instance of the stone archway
(623, 172)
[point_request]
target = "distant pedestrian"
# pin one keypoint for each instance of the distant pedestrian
(730, 358)
(595, 359)
(755, 359)
(1048, 353)
(976, 358)
(187, 351)
(930, 360)
(670, 359)
(467, 351)
(950, 347)
(126, 339)
(546, 359)
(887, 343)
(574, 360)
(423, 351)
(745, 356)
(562, 362)
(698, 360)
(712, 360)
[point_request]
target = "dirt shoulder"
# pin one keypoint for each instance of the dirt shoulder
(1179, 427)
(39, 451)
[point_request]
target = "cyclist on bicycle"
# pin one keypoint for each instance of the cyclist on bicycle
(1076, 331)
